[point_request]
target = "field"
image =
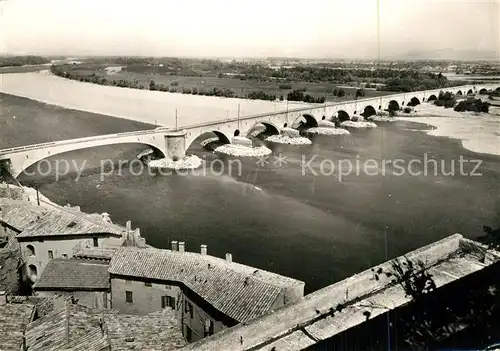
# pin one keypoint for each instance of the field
(240, 87)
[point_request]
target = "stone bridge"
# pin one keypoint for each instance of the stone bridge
(173, 144)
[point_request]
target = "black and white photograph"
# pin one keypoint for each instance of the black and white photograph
(234, 175)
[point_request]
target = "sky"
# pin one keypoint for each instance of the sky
(243, 28)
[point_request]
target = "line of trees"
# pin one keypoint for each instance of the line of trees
(8, 61)
(294, 95)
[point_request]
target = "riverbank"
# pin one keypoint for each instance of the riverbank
(152, 107)
(478, 132)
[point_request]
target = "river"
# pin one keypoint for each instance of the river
(316, 228)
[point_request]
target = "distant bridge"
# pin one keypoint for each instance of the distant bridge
(173, 144)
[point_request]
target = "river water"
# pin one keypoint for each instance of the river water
(283, 218)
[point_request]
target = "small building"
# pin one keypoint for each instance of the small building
(207, 293)
(358, 308)
(85, 281)
(45, 233)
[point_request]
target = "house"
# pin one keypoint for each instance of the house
(45, 233)
(78, 328)
(355, 310)
(85, 281)
(207, 293)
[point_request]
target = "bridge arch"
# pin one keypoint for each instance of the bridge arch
(369, 111)
(432, 97)
(483, 91)
(414, 101)
(470, 92)
(459, 92)
(269, 128)
(343, 116)
(21, 161)
(305, 121)
(393, 106)
(204, 139)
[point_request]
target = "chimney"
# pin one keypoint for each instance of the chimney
(174, 245)
(128, 229)
(203, 249)
(181, 246)
(3, 298)
(229, 257)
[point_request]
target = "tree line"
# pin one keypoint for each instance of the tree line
(294, 95)
(448, 100)
(8, 61)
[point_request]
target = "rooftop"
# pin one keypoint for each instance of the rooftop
(239, 291)
(156, 331)
(104, 252)
(78, 328)
(71, 325)
(302, 324)
(14, 317)
(34, 220)
(73, 274)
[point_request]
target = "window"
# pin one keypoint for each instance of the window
(31, 250)
(128, 297)
(96, 242)
(209, 327)
(51, 254)
(148, 284)
(168, 301)
(188, 309)
(32, 271)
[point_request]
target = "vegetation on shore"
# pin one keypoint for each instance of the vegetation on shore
(310, 83)
(282, 92)
(448, 100)
(16, 61)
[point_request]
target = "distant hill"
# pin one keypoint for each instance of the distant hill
(452, 54)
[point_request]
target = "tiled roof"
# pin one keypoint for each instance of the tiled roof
(297, 326)
(59, 329)
(13, 320)
(157, 331)
(74, 274)
(18, 214)
(35, 220)
(241, 292)
(77, 328)
(94, 253)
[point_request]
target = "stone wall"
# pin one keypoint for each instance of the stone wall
(10, 275)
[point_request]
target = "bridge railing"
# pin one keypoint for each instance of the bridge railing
(82, 140)
(314, 106)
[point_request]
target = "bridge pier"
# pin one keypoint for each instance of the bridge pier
(175, 144)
